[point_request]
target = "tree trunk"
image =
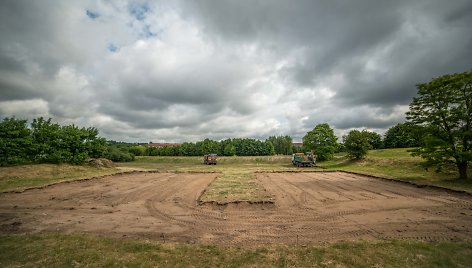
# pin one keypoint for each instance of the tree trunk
(462, 166)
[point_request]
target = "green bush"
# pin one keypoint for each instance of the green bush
(15, 142)
(357, 144)
(47, 142)
(117, 154)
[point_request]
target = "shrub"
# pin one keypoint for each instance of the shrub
(357, 144)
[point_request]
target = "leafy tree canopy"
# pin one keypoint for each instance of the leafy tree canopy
(374, 139)
(357, 143)
(282, 144)
(47, 142)
(404, 135)
(321, 140)
(444, 106)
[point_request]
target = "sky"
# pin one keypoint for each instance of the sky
(177, 71)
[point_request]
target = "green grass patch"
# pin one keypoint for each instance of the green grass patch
(399, 164)
(236, 186)
(56, 250)
(17, 178)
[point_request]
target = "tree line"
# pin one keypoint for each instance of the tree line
(439, 126)
(321, 140)
(228, 147)
(47, 142)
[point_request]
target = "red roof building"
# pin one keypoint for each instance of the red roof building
(297, 144)
(158, 145)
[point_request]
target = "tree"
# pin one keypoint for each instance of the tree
(357, 144)
(209, 147)
(46, 138)
(322, 140)
(444, 106)
(47, 142)
(229, 150)
(282, 144)
(374, 139)
(404, 135)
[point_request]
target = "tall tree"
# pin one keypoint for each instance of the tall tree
(357, 143)
(374, 139)
(282, 144)
(444, 105)
(403, 135)
(322, 140)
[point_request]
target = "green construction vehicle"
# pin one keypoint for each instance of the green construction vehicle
(304, 160)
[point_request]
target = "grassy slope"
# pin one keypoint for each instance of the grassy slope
(398, 164)
(18, 178)
(56, 250)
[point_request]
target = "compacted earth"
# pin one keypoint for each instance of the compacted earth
(313, 207)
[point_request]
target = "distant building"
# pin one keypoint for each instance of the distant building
(159, 145)
(297, 144)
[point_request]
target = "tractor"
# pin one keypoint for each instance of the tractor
(210, 159)
(304, 159)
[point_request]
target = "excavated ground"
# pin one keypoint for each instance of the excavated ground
(309, 208)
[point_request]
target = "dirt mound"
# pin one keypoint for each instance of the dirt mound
(99, 162)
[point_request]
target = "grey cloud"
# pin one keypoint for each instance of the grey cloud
(335, 35)
(186, 70)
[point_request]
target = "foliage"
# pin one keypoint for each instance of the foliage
(117, 153)
(444, 106)
(228, 147)
(298, 149)
(47, 142)
(229, 150)
(282, 144)
(208, 146)
(253, 147)
(15, 141)
(404, 135)
(374, 139)
(322, 140)
(357, 143)
(138, 150)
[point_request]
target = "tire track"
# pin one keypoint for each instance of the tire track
(309, 208)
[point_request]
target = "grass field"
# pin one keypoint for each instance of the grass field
(235, 182)
(56, 250)
(19, 178)
(398, 164)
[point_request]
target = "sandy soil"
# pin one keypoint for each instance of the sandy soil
(309, 208)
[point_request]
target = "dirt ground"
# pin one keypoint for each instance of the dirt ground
(309, 208)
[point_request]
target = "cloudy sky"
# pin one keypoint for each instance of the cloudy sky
(174, 71)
